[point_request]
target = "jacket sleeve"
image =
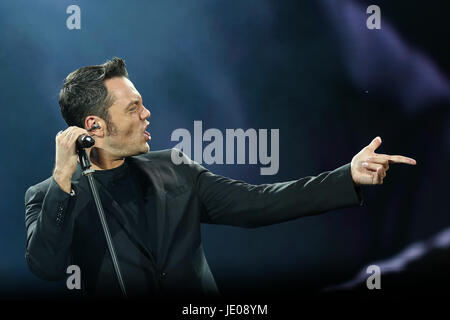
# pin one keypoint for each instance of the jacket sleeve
(49, 226)
(232, 202)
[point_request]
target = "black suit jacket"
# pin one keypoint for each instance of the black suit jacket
(64, 229)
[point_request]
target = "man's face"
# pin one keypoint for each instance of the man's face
(126, 135)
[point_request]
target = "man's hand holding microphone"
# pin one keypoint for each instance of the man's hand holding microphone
(66, 155)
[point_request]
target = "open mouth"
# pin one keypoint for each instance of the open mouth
(147, 136)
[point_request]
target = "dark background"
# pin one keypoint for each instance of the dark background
(309, 68)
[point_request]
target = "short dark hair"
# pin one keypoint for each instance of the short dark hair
(84, 92)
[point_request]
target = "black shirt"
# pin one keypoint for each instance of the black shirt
(122, 184)
(126, 185)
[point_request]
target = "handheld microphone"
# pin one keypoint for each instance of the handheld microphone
(86, 141)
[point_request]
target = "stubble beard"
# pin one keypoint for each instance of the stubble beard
(122, 148)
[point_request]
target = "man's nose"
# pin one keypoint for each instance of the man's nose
(145, 113)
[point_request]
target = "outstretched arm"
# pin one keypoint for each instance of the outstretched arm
(232, 202)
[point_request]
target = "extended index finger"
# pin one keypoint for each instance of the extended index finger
(401, 159)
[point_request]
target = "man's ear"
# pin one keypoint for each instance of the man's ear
(94, 125)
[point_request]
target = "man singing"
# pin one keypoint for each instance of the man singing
(154, 207)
